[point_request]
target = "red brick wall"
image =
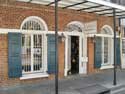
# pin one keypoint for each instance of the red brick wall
(13, 14)
(61, 59)
(3, 56)
(90, 52)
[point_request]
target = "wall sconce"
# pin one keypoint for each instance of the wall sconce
(62, 38)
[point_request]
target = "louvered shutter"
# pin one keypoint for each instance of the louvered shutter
(98, 52)
(51, 53)
(14, 55)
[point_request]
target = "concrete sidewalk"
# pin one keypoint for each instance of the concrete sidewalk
(70, 85)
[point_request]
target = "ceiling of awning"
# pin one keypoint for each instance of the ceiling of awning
(99, 7)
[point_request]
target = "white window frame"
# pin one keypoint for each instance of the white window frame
(109, 52)
(44, 49)
(108, 35)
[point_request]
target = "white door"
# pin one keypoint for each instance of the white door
(123, 53)
(67, 55)
(83, 55)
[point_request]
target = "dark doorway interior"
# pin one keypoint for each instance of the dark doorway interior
(74, 54)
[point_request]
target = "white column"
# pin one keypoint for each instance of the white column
(66, 56)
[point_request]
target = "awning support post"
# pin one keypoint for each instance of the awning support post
(114, 23)
(56, 46)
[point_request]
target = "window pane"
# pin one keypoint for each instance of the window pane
(26, 53)
(123, 46)
(37, 52)
(105, 50)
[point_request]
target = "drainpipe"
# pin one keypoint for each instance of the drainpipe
(56, 46)
(114, 23)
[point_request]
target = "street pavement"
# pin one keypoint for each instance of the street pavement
(77, 84)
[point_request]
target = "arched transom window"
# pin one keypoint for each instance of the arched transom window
(75, 26)
(34, 23)
(107, 30)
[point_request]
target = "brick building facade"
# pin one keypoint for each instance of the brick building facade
(12, 15)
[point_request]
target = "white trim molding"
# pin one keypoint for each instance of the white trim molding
(34, 75)
(106, 67)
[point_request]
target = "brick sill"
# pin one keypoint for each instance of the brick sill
(34, 75)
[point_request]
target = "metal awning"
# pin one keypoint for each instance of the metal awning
(99, 7)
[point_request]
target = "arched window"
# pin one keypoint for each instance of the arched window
(107, 45)
(33, 49)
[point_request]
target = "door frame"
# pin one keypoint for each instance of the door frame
(82, 60)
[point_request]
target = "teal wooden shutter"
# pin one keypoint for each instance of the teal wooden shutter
(51, 53)
(14, 55)
(98, 52)
(118, 54)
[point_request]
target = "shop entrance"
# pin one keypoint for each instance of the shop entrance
(74, 55)
(75, 49)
